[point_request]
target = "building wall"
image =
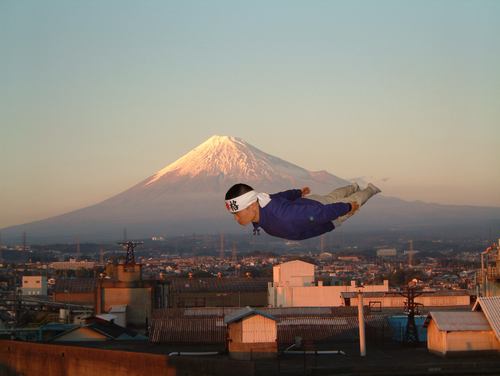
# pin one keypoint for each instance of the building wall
(250, 351)
(253, 337)
(315, 296)
(259, 329)
(472, 341)
(218, 299)
(137, 299)
(436, 339)
(72, 265)
(293, 273)
(34, 285)
(293, 286)
(235, 332)
(33, 359)
(129, 273)
(428, 301)
(85, 298)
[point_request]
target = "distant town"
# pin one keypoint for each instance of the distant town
(436, 264)
(253, 298)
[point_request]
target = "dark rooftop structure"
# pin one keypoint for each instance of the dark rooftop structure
(217, 292)
(75, 285)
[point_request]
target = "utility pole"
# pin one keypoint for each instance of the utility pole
(130, 246)
(361, 321)
(411, 309)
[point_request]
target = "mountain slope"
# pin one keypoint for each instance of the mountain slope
(188, 196)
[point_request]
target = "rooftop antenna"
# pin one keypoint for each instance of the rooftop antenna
(130, 246)
(410, 254)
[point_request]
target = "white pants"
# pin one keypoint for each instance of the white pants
(350, 193)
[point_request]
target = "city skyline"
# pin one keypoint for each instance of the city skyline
(97, 97)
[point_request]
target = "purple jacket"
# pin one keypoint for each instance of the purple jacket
(290, 216)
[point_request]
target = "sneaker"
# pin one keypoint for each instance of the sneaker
(374, 188)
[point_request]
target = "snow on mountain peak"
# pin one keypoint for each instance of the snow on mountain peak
(226, 155)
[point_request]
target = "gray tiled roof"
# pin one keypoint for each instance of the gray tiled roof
(491, 309)
(245, 312)
(458, 321)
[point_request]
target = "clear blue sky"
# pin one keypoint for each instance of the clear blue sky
(97, 95)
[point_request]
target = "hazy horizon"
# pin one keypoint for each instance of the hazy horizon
(98, 96)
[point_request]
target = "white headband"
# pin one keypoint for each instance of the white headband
(239, 203)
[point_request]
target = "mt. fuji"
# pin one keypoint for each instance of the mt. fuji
(188, 196)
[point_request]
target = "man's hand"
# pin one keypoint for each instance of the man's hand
(305, 191)
(354, 207)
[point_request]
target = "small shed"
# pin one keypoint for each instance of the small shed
(459, 332)
(490, 307)
(252, 334)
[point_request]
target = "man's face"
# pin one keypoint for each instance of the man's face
(246, 216)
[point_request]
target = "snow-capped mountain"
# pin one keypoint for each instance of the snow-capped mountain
(188, 196)
(231, 159)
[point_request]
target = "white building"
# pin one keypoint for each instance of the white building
(386, 252)
(34, 285)
(294, 286)
(72, 264)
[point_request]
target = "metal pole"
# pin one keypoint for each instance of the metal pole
(361, 320)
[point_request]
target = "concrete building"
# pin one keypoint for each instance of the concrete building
(34, 285)
(294, 286)
(72, 264)
(489, 275)
(120, 312)
(125, 287)
(394, 299)
(386, 252)
(75, 290)
(217, 292)
(252, 334)
(458, 332)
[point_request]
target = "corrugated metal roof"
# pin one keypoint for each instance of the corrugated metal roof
(458, 321)
(491, 308)
(218, 284)
(75, 285)
(245, 312)
(277, 312)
